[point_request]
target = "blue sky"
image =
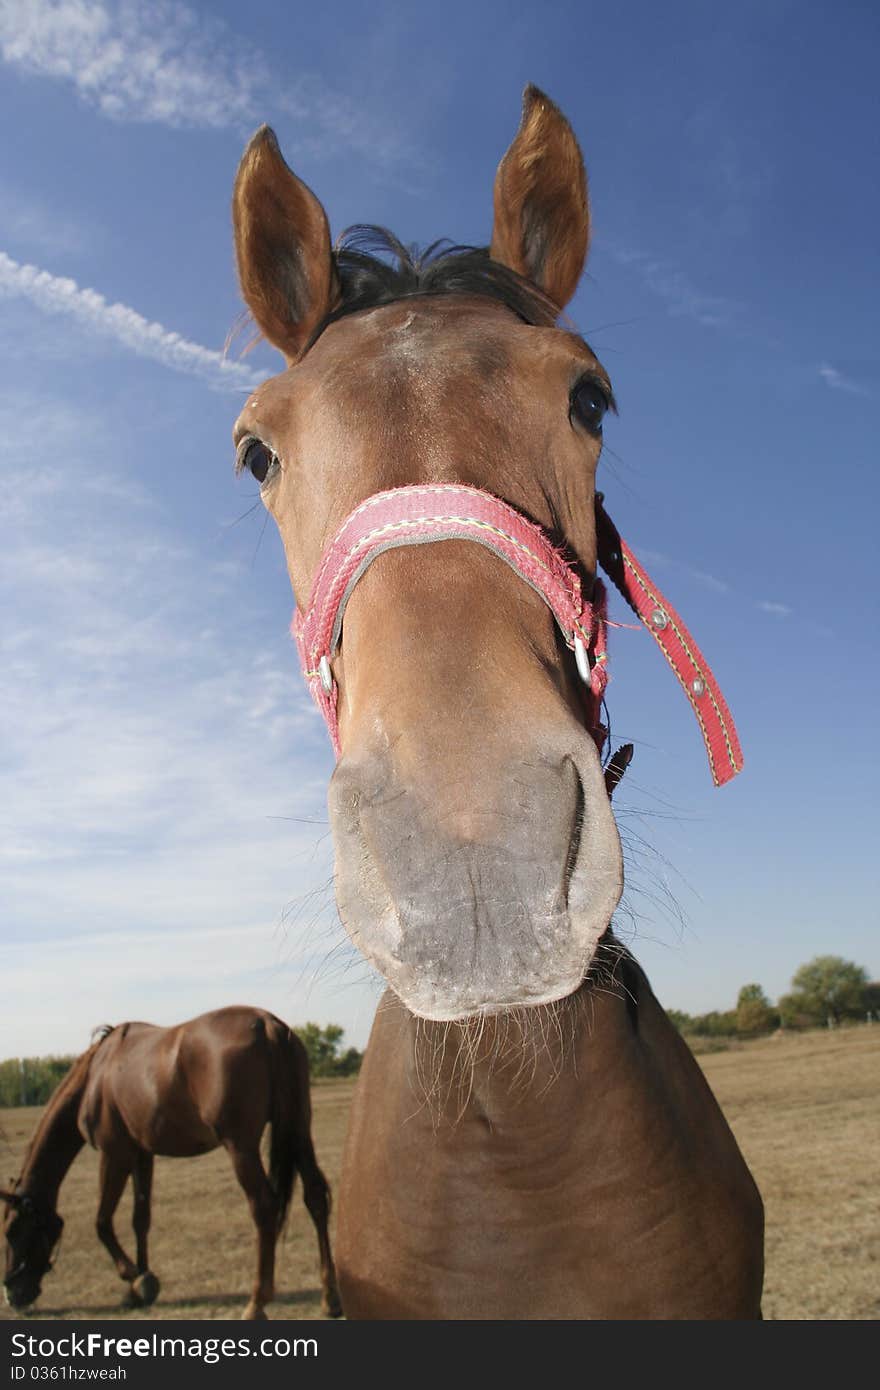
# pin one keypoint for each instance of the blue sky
(164, 844)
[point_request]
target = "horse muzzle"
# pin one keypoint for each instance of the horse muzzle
(469, 902)
(20, 1294)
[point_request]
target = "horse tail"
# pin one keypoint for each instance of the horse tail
(290, 1111)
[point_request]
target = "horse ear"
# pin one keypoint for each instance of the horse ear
(282, 246)
(542, 215)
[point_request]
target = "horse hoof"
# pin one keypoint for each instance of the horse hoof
(145, 1290)
(331, 1305)
(254, 1314)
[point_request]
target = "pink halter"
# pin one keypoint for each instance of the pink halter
(420, 515)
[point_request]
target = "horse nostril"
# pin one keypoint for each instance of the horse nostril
(577, 826)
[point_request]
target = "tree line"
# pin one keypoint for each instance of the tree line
(31, 1080)
(826, 991)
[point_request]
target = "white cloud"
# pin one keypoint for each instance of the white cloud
(681, 295)
(163, 836)
(709, 581)
(157, 61)
(54, 294)
(702, 577)
(164, 977)
(659, 560)
(143, 62)
(839, 382)
(727, 164)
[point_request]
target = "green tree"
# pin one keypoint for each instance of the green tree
(682, 1021)
(322, 1046)
(716, 1024)
(349, 1064)
(792, 1015)
(31, 1080)
(754, 1012)
(827, 987)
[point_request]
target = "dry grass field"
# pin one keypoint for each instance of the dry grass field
(804, 1110)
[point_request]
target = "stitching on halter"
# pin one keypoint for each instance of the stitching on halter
(573, 592)
(411, 490)
(532, 554)
(658, 599)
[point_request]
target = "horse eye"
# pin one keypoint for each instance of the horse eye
(257, 458)
(589, 402)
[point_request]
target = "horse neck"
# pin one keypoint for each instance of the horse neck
(532, 1069)
(57, 1139)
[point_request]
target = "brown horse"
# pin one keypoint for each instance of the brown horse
(530, 1137)
(141, 1090)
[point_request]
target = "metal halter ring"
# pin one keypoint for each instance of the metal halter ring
(582, 660)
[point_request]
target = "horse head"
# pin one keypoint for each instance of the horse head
(477, 859)
(32, 1230)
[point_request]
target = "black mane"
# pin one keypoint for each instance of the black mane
(374, 268)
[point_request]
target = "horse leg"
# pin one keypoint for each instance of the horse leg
(264, 1209)
(114, 1173)
(145, 1287)
(316, 1193)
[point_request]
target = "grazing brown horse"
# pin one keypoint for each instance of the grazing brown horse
(530, 1137)
(141, 1090)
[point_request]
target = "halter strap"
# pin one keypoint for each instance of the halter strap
(690, 667)
(422, 514)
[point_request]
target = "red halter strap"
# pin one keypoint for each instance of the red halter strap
(420, 515)
(691, 668)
